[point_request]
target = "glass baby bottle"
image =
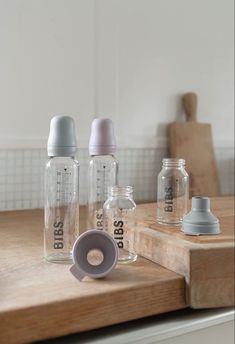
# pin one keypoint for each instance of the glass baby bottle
(61, 191)
(173, 192)
(119, 221)
(103, 169)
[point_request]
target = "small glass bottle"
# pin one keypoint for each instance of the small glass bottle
(61, 191)
(103, 169)
(173, 192)
(119, 221)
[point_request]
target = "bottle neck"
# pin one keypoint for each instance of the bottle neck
(120, 191)
(100, 155)
(61, 157)
(173, 163)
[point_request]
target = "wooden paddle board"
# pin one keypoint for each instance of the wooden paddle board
(192, 141)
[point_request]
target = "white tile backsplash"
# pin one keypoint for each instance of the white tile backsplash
(22, 174)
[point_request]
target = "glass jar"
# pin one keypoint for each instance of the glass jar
(119, 221)
(173, 192)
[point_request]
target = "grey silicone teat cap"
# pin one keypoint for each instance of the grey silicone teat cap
(94, 240)
(62, 137)
(200, 220)
(102, 139)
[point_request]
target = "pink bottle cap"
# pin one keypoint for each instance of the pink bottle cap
(102, 139)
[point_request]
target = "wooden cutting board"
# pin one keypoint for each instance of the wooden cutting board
(192, 141)
(207, 262)
(40, 300)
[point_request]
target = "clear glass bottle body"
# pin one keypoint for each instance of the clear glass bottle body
(103, 172)
(173, 192)
(61, 208)
(119, 221)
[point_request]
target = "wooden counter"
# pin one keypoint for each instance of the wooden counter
(40, 300)
(206, 261)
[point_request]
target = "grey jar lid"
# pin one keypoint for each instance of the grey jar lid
(94, 239)
(200, 220)
(62, 137)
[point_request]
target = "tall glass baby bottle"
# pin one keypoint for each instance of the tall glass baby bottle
(61, 191)
(103, 169)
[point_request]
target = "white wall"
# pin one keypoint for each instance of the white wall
(127, 59)
(46, 67)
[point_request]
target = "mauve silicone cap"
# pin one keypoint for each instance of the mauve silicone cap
(62, 137)
(102, 139)
(200, 220)
(94, 239)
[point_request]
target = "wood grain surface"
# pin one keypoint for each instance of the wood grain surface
(40, 300)
(207, 262)
(193, 142)
(223, 207)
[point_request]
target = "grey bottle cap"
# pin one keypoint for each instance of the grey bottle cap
(94, 240)
(102, 139)
(200, 220)
(62, 137)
